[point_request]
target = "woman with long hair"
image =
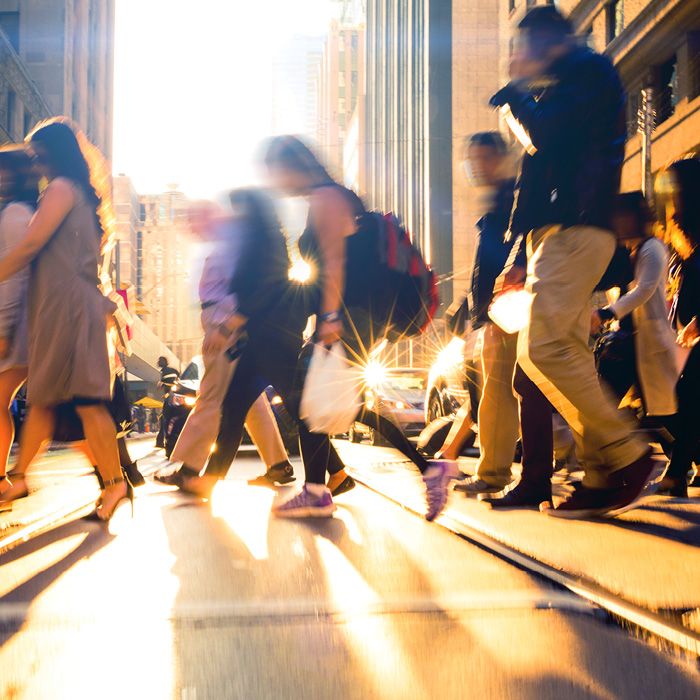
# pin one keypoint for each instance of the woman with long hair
(340, 252)
(68, 353)
(679, 194)
(19, 194)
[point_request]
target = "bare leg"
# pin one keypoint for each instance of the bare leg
(37, 432)
(458, 434)
(10, 382)
(264, 432)
(102, 439)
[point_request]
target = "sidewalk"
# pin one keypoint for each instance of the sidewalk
(649, 556)
(63, 487)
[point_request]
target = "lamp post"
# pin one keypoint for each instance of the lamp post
(646, 117)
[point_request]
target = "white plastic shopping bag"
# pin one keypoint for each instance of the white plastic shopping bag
(332, 394)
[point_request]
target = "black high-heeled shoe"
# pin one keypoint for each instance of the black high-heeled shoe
(129, 498)
(133, 475)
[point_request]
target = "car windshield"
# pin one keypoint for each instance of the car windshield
(192, 372)
(405, 382)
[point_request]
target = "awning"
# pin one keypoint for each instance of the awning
(148, 402)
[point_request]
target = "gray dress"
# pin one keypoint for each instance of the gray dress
(14, 220)
(68, 355)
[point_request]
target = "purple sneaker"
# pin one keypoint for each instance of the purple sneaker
(437, 480)
(306, 505)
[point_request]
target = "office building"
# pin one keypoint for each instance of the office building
(57, 57)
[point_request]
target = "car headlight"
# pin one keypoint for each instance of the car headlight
(395, 405)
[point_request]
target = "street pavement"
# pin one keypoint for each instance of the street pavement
(218, 600)
(649, 556)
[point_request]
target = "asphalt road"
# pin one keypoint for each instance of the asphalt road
(197, 601)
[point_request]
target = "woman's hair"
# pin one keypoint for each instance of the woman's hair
(67, 153)
(686, 185)
(258, 209)
(25, 189)
(292, 153)
(635, 204)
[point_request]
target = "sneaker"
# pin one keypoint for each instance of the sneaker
(306, 505)
(631, 483)
(278, 475)
(437, 480)
(473, 486)
(520, 494)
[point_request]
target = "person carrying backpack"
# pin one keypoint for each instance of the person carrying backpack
(370, 283)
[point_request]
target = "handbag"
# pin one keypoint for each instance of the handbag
(332, 393)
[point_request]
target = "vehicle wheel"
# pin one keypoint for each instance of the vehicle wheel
(435, 408)
(354, 436)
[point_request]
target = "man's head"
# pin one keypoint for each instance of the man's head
(544, 35)
(485, 155)
(162, 362)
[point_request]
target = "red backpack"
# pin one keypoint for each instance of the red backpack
(408, 291)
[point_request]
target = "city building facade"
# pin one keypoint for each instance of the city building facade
(341, 77)
(166, 254)
(57, 57)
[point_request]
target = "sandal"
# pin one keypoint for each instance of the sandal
(129, 498)
(23, 493)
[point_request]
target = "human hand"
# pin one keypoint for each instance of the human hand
(5, 346)
(216, 342)
(596, 323)
(690, 335)
(330, 332)
(512, 279)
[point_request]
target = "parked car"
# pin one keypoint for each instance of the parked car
(183, 398)
(454, 378)
(397, 395)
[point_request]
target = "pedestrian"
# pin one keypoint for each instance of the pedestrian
(681, 201)
(339, 253)
(653, 369)
(68, 353)
(570, 106)
(18, 194)
(265, 322)
(168, 378)
(224, 242)
(487, 158)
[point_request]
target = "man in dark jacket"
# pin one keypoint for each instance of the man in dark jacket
(168, 377)
(569, 106)
(486, 157)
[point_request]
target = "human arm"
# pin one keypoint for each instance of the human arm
(650, 272)
(331, 219)
(13, 227)
(57, 201)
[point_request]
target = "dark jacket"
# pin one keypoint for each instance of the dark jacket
(577, 124)
(491, 253)
(686, 303)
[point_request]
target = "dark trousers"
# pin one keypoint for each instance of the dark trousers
(686, 423)
(536, 430)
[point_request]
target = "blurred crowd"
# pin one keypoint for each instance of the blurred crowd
(585, 301)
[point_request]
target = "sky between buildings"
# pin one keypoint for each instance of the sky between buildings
(192, 95)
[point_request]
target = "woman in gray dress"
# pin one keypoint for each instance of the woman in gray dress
(18, 198)
(68, 354)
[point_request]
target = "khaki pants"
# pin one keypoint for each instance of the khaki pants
(563, 269)
(202, 427)
(498, 409)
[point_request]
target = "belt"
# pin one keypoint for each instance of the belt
(208, 304)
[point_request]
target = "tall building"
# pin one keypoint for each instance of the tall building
(57, 57)
(653, 43)
(341, 75)
(128, 252)
(295, 72)
(165, 255)
(431, 67)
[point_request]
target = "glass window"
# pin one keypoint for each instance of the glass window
(667, 96)
(615, 18)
